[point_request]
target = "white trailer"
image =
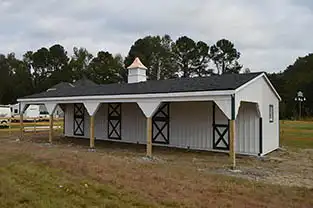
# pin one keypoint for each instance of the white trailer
(5, 114)
(32, 111)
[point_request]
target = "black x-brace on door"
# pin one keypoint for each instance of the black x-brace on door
(114, 121)
(160, 125)
(79, 118)
(220, 133)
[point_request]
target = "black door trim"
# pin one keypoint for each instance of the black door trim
(221, 133)
(79, 119)
(115, 121)
(161, 122)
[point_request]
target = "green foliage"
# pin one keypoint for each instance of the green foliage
(39, 70)
(156, 54)
(225, 57)
(298, 76)
(104, 68)
(79, 62)
(192, 58)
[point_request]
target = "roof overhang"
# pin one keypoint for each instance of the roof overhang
(179, 96)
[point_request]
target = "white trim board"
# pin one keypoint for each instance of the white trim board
(180, 96)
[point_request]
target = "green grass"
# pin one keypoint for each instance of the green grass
(24, 183)
(299, 125)
(297, 134)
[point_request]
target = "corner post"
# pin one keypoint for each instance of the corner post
(92, 132)
(149, 137)
(232, 128)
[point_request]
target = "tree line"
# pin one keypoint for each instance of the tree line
(296, 77)
(38, 70)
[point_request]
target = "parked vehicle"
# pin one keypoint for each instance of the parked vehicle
(33, 111)
(30, 113)
(5, 114)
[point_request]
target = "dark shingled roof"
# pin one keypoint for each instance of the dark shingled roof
(61, 86)
(211, 83)
(84, 82)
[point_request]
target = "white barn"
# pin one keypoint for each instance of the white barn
(217, 113)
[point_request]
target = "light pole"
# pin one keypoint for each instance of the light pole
(300, 98)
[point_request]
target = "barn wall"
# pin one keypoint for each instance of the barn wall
(260, 92)
(270, 130)
(101, 122)
(69, 122)
(247, 129)
(191, 125)
(133, 124)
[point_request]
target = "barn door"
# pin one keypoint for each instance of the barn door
(79, 119)
(220, 131)
(160, 125)
(114, 121)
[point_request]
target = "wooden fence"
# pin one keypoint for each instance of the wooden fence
(31, 124)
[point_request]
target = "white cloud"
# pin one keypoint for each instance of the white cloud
(269, 34)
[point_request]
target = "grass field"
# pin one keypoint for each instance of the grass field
(297, 134)
(36, 174)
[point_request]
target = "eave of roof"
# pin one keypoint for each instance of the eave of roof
(200, 84)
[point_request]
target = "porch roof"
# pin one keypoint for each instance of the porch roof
(197, 84)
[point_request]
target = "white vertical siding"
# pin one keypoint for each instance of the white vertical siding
(69, 119)
(101, 122)
(260, 92)
(270, 130)
(191, 125)
(247, 129)
(69, 122)
(133, 124)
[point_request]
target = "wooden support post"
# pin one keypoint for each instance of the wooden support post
(92, 132)
(21, 127)
(50, 128)
(232, 141)
(35, 128)
(10, 127)
(149, 137)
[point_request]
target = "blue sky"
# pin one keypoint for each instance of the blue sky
(270, 34)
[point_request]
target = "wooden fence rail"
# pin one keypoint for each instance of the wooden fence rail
(32, 124)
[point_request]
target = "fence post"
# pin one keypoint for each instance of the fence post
(10, 130)
(35, 129)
